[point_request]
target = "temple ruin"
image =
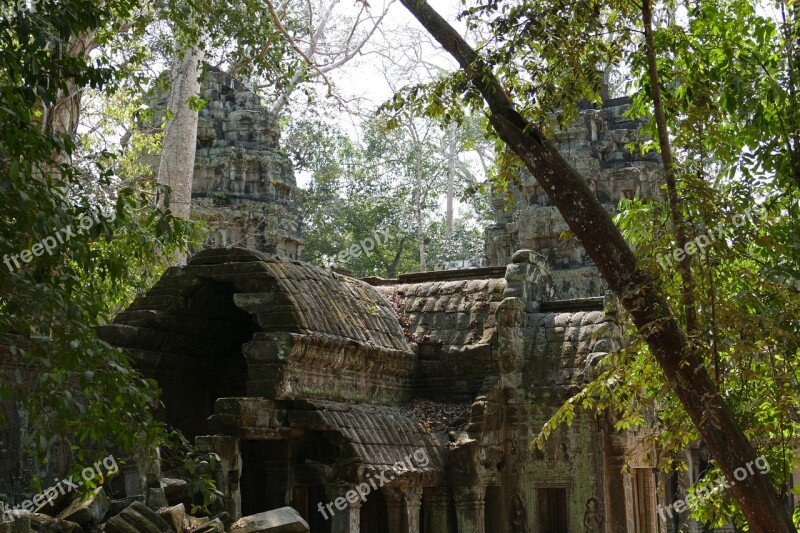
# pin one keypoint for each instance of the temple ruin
(393, 406)
(426, 391)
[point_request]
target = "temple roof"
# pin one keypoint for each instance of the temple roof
(282, 294)
(379, 437)
(448, 313)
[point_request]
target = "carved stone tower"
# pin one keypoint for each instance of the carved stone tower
(595, 144)
(244, 185)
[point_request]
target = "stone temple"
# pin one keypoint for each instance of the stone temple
(416, 397)
(394, 406)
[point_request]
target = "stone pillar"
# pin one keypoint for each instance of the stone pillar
(133, 484)
(469, 509)
(346, 507)
(395, 510)
(413, 501)
(148, 462)
(648, 480)
(228, 470)
(616, 508)
(437, 502)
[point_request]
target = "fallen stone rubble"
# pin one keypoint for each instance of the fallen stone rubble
(99, 513)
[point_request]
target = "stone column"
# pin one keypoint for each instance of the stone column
(413, 501)
(616, 508)
(346, 507)
(229, 469)
(148, 462)
(647, 477)
(469, 509)
(437, 500)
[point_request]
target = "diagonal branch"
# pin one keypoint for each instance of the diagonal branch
(282, 30)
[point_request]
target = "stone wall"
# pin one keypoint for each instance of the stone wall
(334, 380)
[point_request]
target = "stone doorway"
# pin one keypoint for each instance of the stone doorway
(552, 510)
(374, 514)
(493, 510)
(265, 475)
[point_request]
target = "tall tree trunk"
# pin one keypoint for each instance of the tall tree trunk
(452, 154)
(176, 168)
(423, 260)
(674, 199)
(63, 116)
(649, 310)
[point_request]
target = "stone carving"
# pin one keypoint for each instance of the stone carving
(519, 522)
(592, 518)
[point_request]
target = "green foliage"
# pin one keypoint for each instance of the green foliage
(365, 191)
(355, 195)
(186, 461)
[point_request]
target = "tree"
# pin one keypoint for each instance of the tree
(376, 189)
(176, 168)
(636, 288)
(70, 254)
(367, 191)
(323, 41)
(676, 208)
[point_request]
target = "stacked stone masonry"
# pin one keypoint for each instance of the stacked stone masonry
(604, 146)
(243, 185)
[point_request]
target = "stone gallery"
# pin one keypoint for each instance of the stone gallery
(387, 405)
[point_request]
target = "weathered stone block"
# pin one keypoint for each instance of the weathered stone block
(39, 523)
(283, 520)
(175, 517)
(175, 489)
(214, 526)
(89, 511)
(137, 518)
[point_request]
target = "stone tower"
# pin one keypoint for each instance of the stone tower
(244, 185)
(595, 144)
